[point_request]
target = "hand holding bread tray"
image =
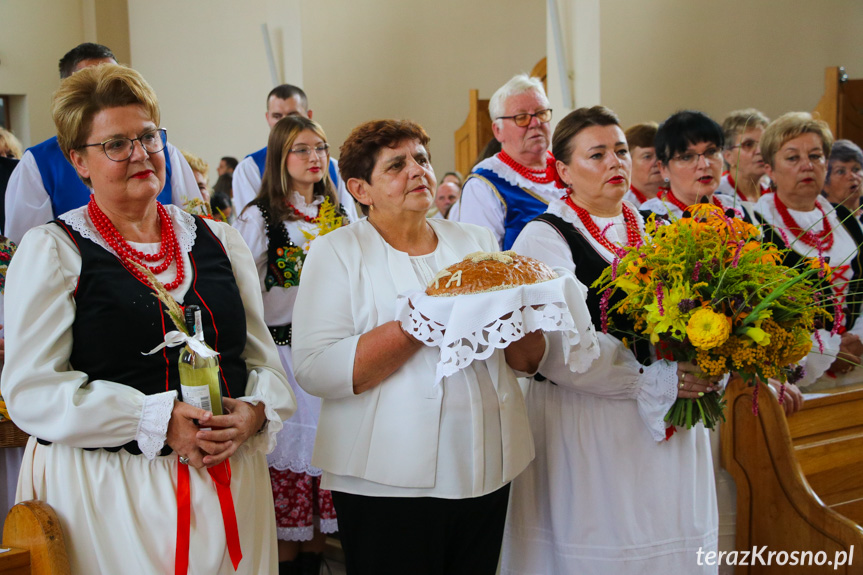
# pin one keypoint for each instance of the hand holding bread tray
(489, 300)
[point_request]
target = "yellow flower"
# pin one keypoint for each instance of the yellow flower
(758, 335)
(707, 329)
(638, 269)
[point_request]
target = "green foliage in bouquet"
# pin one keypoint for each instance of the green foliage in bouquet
(705, 289)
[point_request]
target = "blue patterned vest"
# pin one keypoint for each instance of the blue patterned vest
(521, 205)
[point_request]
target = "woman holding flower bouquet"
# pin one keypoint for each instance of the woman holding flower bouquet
(296, 204)
(606, 493)
(130, 471)
(795, 147)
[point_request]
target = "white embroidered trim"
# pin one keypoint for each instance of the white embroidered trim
(274, 424)
(153, 425)
(184, 227)
(511, 176)
(657, 392)
(498, 334)
(296, 466)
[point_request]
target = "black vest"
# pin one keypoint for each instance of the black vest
(117, 318)
(855, 284)
(589, 265)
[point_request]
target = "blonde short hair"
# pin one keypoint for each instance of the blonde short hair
(738, 121)
(197, 164)
(10, 142)
(89, 91)
(790, 126)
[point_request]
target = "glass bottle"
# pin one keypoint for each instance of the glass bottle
(199, 375)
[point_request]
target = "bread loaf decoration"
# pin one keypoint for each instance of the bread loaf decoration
(489, 271)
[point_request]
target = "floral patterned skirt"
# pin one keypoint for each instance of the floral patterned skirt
(301, 505)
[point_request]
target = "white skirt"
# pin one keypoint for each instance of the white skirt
(118, 511)
(603, 497)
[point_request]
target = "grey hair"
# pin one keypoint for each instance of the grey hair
(843, 151)
(518, 84)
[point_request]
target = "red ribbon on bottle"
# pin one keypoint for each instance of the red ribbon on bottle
(221, 475)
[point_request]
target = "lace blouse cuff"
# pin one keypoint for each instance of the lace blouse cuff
(265, 440)
(153, 425)
(657, 392)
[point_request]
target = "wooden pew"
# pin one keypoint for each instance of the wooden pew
(32, 530)
(799, 479)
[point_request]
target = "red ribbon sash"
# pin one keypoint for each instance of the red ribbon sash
(221, 475)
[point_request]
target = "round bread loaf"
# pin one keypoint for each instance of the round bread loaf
(484, 271)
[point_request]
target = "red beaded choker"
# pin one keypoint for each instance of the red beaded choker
(540, 176)
(638, 195)
(632, 234)
(300, 214)
(822, 241)
(169, 248)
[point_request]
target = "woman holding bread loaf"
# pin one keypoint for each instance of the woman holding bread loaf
(419, 471)
(606, 493)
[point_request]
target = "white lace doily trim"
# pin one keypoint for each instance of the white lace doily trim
(471, 327)
(306, 533)
(657, 392)
(274, 423)
(184, 227)
(153, 425)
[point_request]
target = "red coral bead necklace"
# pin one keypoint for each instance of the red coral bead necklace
(822, 241)
(632, 234)
(169, 248)
(540, 175)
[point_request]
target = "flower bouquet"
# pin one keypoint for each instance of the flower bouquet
(704, 289)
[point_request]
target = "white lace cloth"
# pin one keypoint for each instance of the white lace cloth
(470, 327)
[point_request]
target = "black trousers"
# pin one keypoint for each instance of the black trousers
(421, 535)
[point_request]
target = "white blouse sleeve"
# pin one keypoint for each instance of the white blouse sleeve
(27, 202)
(325, 338)
(820, 357)
(616, 373)
(267, 381)
(246, 183)
(46, 397)
(480, 205)
(278, 301)
(183, 184)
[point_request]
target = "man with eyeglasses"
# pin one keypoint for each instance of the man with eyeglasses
(509, 189)
(283, 100)
(44, 185)
(745, 176)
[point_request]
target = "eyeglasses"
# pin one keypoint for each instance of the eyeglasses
(522, 120)
(120, 149)
(304, 152)
(746, 145)
(690, 159)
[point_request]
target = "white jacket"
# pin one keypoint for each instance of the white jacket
(389, 434)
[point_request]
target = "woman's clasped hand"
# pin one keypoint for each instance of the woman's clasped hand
(206, 439)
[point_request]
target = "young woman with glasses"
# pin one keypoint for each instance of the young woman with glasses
(297, 200)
